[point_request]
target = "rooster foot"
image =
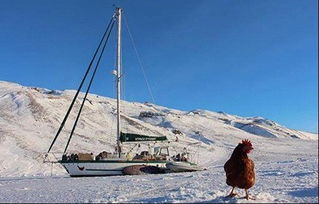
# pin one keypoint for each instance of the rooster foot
(248, 198)
(231, 195)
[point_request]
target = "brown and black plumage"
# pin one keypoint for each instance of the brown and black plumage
(239, 168)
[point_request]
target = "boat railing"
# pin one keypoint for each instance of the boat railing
(51, 157)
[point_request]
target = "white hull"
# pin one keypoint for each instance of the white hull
(104, 167)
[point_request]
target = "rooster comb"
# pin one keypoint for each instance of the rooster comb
(246, 142)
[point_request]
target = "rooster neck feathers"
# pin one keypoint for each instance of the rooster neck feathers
(242, 149)
(239, 152)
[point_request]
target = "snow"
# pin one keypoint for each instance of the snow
(286, 160)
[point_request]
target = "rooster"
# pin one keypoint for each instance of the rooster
(240, 169)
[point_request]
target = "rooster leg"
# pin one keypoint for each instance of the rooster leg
(232, 194)
(247, 195)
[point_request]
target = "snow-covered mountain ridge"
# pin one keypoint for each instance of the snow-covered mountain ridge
(30, 117)
(286, 160)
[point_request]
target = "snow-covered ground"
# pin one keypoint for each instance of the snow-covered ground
(286, 160)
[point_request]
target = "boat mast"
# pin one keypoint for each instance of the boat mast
(118, 75)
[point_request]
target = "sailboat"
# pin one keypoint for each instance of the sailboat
(118, 162)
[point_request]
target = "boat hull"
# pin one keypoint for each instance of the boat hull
(104, 167)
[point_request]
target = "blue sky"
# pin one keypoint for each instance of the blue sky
(249, 58)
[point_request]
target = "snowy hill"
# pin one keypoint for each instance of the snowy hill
(30, 117)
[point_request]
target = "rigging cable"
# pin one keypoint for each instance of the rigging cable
(81, 84)
(88, 88)
(139, 59)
